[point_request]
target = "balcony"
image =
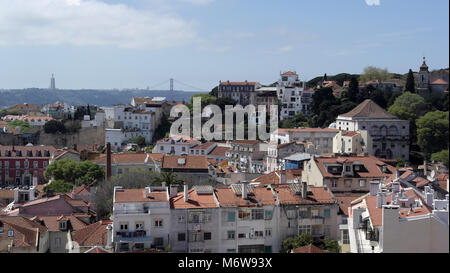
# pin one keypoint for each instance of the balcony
(138, 236)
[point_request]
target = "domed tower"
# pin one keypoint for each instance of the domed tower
(424, 76)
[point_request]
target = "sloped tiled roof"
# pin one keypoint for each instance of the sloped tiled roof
(93, 235)
(368, 109)
(191, 162)
(308, 249)
(195, 200)
(273, 177)
(138, 195)
(52, 222)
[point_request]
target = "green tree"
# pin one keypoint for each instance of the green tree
(374, 73)
(23, 125)
(140, 140)
(410, 84)
(329, 245)
(134, 179)
(409, 106)
(299, 120)
(432, 132)
(68, 170)
(54, 126)
(58, 186)
(170, 178)
(353, 89)
(441, 156)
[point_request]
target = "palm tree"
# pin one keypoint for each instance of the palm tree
(170, 178)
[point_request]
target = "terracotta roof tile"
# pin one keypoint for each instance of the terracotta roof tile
(92, 235)
(138, 195)
(368, 108)
(190, 162)
(308, 249)
(195, 200)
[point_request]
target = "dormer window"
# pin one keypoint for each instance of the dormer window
(63, 225)
(10, 233)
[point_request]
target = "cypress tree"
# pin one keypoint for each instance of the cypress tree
(410, 86)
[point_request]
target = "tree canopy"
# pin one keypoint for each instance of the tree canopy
(441, 156)
(432, 132)
(68, 170)
(410, 84)
(305, 239)
(374, 73)
(54, 126)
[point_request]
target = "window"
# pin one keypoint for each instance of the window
(63, 225)
(257, 214)
(291, 214)
(231, 216)
(304, 229)
(161, 148)
(348, 183)
(347, 168)
(326, 213)
(10, 233)
(334, 183)
(345, 238)
(181, 218)
(57, 242)
(140, 226)
(244, 214)
(158, 241)
(158, 223)
(207, 236)
(35, 164)
(268, 232)
(314, 213)
(231, 234)
(123, 226)
(268, 215)
(231, 250)
(362, 183)
(181, 237)
(17, 164)
(303, 213)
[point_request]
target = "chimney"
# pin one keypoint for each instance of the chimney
(397, 173)
(283, 178)
(374, 186)
(425, 168)
(186, 187)
(173, 191)
(395, 187)
(108, 161)
(304, 189)
(148, 190)
(109, 237)
(429, 196)
(381, 199)
(244, 190)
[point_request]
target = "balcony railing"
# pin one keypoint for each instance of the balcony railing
(132, 236)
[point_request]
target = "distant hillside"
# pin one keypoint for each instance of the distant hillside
(83, 97)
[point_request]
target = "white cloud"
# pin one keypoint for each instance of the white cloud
(285, 49)
(373, 2)
(198, 2)
(90, 23)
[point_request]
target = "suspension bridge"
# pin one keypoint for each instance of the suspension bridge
(171, 82)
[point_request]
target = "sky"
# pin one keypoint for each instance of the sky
(141, 43)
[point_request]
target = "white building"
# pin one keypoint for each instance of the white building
(398, 220)
(124, 122)
(390, 135)
(290, 93)
(175, 146)
(141, 218)
(352, 142)
(321, 138)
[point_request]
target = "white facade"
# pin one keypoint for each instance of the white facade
(175, 146)
(150, 219)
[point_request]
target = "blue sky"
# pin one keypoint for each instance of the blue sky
(139, 43)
